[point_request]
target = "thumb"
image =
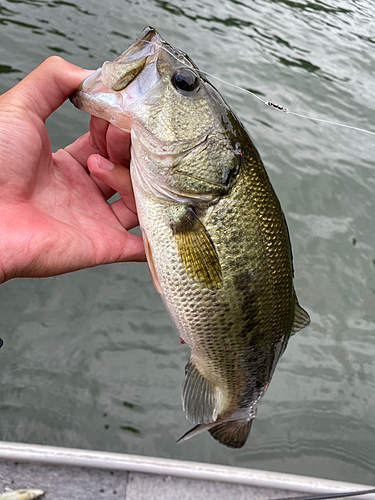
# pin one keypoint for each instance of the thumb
(48, 86)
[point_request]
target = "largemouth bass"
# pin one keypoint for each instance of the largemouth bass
(216, 239)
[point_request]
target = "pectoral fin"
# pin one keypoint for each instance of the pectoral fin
(196, 249)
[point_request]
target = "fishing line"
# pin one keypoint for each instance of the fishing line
(272, 104)
(330, 495)
(288, 111)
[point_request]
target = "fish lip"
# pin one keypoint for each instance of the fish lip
(117, 75)
(84, 85)
(80, 97)
(73, 98)
(147, 32)
(148, 38)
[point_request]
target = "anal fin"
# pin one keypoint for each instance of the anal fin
(200, 398)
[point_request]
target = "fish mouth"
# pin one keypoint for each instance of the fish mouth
(101, 94)
(118, 74)
(115, 76)
(112, 91)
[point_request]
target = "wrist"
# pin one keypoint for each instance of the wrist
(7, 263)
(6, 268)
(10, 247)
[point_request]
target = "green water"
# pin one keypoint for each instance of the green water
(92, 360)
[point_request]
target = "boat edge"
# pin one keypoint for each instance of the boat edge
(71, 457)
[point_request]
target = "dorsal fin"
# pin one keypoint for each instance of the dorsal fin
(200, 399)
(301, 318)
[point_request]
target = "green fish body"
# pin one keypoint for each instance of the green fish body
(216, 239)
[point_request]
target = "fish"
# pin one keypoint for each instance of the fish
(21, 495)
(216, 238)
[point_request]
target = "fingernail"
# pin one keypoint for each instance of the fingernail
(105, 164)
(91, 71)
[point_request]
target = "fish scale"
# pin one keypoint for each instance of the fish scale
(216, 239)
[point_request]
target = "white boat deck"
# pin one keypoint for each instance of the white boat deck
(67, 474)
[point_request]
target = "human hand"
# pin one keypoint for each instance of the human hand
(54, 216)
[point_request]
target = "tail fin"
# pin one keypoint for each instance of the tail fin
(232, 433)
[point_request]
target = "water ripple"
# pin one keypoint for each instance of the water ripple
(322, 226)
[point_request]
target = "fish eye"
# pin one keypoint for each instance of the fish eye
(185, 79)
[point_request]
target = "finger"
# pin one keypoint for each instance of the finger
(133, 249)
(98, 131)
(107, 191)
(127, 217)
(111, 141)
(81, 149)
(48, 86)
(114, 175)
(118, 145)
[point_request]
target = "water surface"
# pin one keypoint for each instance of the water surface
(92, 360)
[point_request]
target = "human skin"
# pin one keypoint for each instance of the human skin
(54, 214)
